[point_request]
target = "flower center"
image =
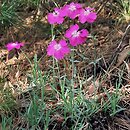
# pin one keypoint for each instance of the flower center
(14, 44)
(72, 8)
(75, 33)
(56, 13)
(57, 47)
(86, 12)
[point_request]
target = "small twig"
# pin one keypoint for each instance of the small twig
(125, 33)
(44, 6)
(118, 48)
(101, 7)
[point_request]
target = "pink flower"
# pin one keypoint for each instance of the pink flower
(76, 37)
(86, 15)
(56, 17)
(58, 50)
(72, 10)
(13, 45)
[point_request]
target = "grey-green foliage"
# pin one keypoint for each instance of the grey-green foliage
(7, 101)
(11, 10)
(8, 13)
(33, 3)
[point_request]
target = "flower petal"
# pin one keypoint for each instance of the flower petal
(63, 43)
(83, 33)
(91, 17)
(69, 32)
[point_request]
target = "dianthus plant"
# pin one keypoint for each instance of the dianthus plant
(73, 35)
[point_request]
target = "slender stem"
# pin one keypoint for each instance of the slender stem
(95, 57)
(55, 3)
(53, 37)
(27, 57)
(58, 71)
(72, 58)
(52, 32)
(72, 81)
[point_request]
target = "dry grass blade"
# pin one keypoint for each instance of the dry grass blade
(122, 55)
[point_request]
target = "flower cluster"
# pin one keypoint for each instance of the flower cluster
(72, 10)
(74, 34)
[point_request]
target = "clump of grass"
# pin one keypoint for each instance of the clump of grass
(125, 10)
(7, 100)
(8, 14)
(10, 11)
(6, 122)
(30, 3)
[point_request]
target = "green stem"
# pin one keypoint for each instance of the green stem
(52, 32)
(53, 37)
(27, 58)
(72, 58)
